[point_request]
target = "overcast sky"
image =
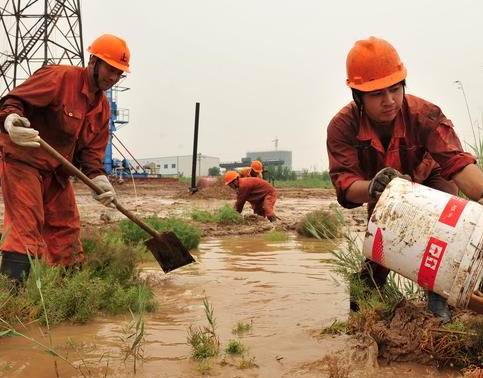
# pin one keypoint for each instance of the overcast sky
(263, 69)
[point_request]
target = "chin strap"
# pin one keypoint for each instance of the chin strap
(96, 73)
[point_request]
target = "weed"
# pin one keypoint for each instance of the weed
(224, 215)
(235, 347)
(188, 234)
(203, 340)
(247, 362)
(336, 328)
(134, 331)
(276, 236)
(321, 224)
(242, 328)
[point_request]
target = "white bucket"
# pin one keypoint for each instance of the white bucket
(429, 237)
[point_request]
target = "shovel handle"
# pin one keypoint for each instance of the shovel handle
(86, 180)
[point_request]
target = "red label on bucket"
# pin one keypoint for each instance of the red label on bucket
(378, 247)
(452, 211)
(430, 262)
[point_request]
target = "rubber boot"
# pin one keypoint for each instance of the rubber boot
(439, 307)
(15, 266)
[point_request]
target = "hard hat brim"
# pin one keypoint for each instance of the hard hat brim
(382, 83)
(113, 63)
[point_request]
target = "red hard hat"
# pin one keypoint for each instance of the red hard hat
(231, 176)
(112, 50)
(373, 64)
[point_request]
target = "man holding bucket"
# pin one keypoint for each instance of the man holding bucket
(385, 133)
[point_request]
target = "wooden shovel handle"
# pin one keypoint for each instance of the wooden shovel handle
(86, 180)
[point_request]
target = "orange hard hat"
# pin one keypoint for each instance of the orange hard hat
(257, 166)
(231, 176)
(112, 50)
(374, 64)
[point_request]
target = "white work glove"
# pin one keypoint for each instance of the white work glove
(18, 128)
(109, 194)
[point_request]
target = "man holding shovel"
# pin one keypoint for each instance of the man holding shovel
(66, 106)
(385, 133)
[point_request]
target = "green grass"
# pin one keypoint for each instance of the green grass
(241, 328)
(321, 224)
(336, 328)
(188, 234)
(204, 340)
(235, 347)
(308, 182)
(276, 236)
(224, 215)
(108, 282)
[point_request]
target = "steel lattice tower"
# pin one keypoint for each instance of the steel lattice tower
(34, 33)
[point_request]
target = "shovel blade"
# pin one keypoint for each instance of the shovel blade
(169, 252)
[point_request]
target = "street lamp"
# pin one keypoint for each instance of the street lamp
(459, 84)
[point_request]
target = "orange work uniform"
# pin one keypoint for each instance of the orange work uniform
(41, 214)
(259, 193)
(247, 172)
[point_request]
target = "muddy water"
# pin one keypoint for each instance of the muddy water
(282, 289)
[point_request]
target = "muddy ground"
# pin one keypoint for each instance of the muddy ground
(281, 288)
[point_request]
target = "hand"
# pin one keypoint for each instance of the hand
(18, 128)
(382, 179)
(480, 201)
(109, 194)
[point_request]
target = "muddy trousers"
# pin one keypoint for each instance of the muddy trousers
(266, 207)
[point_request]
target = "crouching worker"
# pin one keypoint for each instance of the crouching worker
(66, 106)
(385, 133)
(254, 170)
(259, 193)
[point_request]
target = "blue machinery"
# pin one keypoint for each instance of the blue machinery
(119, 118)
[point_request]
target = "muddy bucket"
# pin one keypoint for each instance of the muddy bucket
(430, 237)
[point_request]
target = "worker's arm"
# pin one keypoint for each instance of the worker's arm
(470, 181)
(358, 192)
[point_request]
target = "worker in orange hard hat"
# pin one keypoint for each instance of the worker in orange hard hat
(259, 193)
(254, 170)
(67, 107)
(386, 133)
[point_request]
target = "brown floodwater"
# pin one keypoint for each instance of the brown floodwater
(281, 288)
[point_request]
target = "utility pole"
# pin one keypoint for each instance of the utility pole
(276, 143)
(193, 188)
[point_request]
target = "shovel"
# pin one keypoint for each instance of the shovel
(168, 250)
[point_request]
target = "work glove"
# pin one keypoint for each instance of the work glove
(18, 128)
(109, 194)
(382, 179)
(480, 201)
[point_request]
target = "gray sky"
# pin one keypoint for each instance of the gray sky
(263, 69)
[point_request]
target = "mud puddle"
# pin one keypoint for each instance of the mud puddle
(281, 289)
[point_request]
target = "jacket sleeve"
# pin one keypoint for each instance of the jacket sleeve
(344, 166)
(241, 198)
(445, 147)
(39, 90)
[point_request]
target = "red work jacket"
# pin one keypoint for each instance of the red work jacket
(253, 190)
(423, 143)
(69, 115)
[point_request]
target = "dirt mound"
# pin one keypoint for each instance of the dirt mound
(218, 191)
(414, 335)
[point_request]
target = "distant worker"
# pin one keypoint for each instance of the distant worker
(67, 107)
(259, 193)
(385, 133)
(254, 170)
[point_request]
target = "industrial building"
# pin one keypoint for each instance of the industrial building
(285, 156)
(177, 165)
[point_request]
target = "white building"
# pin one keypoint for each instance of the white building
(178, 165)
